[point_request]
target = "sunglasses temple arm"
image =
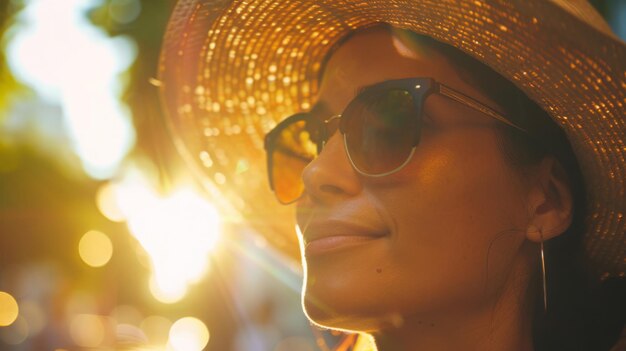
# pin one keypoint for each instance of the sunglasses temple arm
(476, 105)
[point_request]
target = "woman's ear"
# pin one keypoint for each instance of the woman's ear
(550, 202)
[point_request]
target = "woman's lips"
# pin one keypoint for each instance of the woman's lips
(321, 237)
(330, 243)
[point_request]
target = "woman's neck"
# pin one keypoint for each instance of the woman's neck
(502, 324)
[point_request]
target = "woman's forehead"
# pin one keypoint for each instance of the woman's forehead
(381, 53)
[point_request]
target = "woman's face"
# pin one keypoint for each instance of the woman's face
(435, 239)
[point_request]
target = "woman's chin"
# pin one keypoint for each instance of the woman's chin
(328, 312)
(336, 320)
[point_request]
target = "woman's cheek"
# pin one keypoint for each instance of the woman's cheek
(450, 218)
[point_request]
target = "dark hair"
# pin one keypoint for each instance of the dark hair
(582, 314)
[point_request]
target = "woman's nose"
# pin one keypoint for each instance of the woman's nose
(330, 176)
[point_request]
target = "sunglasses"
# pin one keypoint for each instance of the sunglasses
(381, 128)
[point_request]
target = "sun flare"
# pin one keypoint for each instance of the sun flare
(178, 231)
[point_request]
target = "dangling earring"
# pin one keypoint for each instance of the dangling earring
(543, 275)
(532, 231)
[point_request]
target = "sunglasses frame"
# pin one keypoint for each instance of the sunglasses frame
(419, 88)
(273, 134)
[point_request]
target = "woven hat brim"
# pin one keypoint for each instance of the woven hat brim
(231, 70)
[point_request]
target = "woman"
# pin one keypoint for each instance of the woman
(426, 183)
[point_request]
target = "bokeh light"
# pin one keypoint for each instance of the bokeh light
(95, 248)
(156, 328)
(87, 330)
(8, 309)
(107, 203)
(188, 334)
(167, 289)
(81, 302)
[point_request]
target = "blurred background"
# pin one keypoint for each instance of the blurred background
(106, 241)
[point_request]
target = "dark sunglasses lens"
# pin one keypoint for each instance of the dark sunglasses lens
(292, 149)
(380, 129)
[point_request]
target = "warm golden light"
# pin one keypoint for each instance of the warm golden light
(8, 309)
(107, 203)
(85, 85)
(156, 329)
(166, 291)
(177, 231)
(126, 314)
(87, 330)
(95, 248)
(188, 334)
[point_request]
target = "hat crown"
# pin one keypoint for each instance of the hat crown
(584, 11)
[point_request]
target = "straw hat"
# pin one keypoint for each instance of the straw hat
(233, 69)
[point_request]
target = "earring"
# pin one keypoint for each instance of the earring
(532, 231)
(543, 275)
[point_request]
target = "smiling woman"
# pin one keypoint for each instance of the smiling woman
(462, 262)
(454, 189)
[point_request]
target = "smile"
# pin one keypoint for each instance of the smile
(331, 243)
(323, 237)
